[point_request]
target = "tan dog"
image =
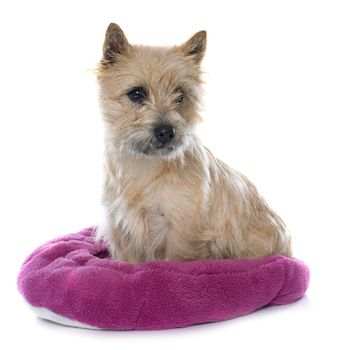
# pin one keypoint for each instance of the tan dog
(165, 195)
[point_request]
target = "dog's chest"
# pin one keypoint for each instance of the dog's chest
(158, 224)
(159, 212)
(168, 221)
(163, 204)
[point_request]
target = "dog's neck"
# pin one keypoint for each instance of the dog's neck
(143, 167)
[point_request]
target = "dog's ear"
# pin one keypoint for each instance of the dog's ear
(115, 43)
(195, 46)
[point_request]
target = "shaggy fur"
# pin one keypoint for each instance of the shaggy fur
(174, 201)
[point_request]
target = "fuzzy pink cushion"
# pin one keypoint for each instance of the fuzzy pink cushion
(73, 277)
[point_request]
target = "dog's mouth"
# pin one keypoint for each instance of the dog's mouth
(161, 146)
(156, 148)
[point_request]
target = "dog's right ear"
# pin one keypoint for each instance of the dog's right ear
(115, 44)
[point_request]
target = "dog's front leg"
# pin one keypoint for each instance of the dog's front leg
(118, 244)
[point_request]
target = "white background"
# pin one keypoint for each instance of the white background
(276, 108)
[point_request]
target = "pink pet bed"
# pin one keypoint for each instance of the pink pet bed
(71, 280)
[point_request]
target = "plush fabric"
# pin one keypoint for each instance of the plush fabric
(73, 277)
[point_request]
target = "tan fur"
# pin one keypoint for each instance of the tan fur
(177, 202)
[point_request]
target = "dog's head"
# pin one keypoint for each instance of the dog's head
(150, 95)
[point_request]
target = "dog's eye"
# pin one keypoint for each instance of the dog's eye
(179, 96)
(137, 95)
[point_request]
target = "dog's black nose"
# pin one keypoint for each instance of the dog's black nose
(164, 133)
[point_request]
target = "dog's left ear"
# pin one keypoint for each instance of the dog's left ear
(195, 46)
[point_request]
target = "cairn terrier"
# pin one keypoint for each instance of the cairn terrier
(165, 195)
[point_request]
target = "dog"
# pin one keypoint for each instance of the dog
(165, 196)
